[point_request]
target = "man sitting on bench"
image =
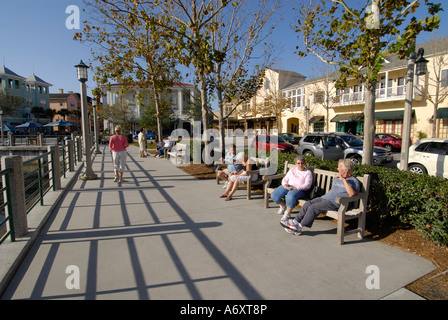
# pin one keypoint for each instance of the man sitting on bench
(344, 185)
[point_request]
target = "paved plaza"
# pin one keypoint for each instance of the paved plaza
(163, 234)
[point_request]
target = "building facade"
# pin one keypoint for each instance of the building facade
(259, 113)
(180, 96)
(69, 101)
(33, 90)
(315, 105)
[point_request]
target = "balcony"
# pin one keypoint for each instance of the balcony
(382, 95)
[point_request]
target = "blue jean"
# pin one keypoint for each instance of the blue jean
(291, 196)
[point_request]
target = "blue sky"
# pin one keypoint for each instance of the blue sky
(34, 38)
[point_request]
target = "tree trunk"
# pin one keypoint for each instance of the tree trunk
(204, 108)
(157, 105)
(221, 110)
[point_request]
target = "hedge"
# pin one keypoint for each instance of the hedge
(418, 200)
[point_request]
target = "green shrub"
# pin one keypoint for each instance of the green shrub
(418, 200)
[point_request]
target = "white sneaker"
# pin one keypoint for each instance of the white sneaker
(225, 185)
(116, 179)
(286, 217)
(292, 225)
(281, 210)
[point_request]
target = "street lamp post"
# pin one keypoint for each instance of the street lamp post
(417, 62)
(82, 77)
(95, 125)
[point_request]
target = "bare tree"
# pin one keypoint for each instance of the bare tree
(235, 78)
(437, 80)
(356, 38)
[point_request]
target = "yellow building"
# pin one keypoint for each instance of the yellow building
(316, 105)
(331, 109)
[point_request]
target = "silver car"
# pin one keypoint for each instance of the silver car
(335, 146)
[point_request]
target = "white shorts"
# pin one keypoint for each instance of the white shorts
(242, 179)
(119, 159)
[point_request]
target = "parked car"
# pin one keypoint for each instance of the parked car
(339, 145)
(429, 156)
(149, 136)
(290, 137)
(388, 140)
(267, 142)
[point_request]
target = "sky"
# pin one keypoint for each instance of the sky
(35, 39)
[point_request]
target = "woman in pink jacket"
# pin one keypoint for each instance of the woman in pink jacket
(118, 144)
(295, 186)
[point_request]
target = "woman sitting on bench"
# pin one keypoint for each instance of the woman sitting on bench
(295, 186)
(235, 178)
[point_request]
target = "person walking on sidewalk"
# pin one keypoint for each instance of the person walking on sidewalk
(118, 145)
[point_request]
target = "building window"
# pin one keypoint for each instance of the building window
(400, 86)
(267, 84)
(297, 97)
(443, 128)
(319, 97)
(444, 80)
(319, 126)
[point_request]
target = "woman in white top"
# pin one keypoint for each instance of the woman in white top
(235, 178)
(295, 186)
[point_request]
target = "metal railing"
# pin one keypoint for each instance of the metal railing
(37, 180)
(39, 177)
(7, 220)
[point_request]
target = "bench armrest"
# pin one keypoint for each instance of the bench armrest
(274, 177)
(250, 172)
(342, 200)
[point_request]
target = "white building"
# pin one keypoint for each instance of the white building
(180, 95)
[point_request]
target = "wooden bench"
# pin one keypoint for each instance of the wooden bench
(260, 162)
(178, 152)
(351, 207)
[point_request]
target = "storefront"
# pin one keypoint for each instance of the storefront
(349, 122)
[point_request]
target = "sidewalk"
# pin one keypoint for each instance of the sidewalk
(162, 234)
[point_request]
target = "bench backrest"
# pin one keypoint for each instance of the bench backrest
(260, 162)
(181, 146)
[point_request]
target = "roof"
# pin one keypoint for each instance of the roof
(63, 95)
(35, 79)
(9, 72)
(392, 62)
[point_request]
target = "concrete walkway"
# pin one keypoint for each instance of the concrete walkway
(162, 234)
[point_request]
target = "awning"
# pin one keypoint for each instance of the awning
(442, 113)
(348, 117)
(316, 119)
(391, 114)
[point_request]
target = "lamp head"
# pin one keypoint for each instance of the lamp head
(82, 71)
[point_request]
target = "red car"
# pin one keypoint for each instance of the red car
(388, 140)
(263, 142)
